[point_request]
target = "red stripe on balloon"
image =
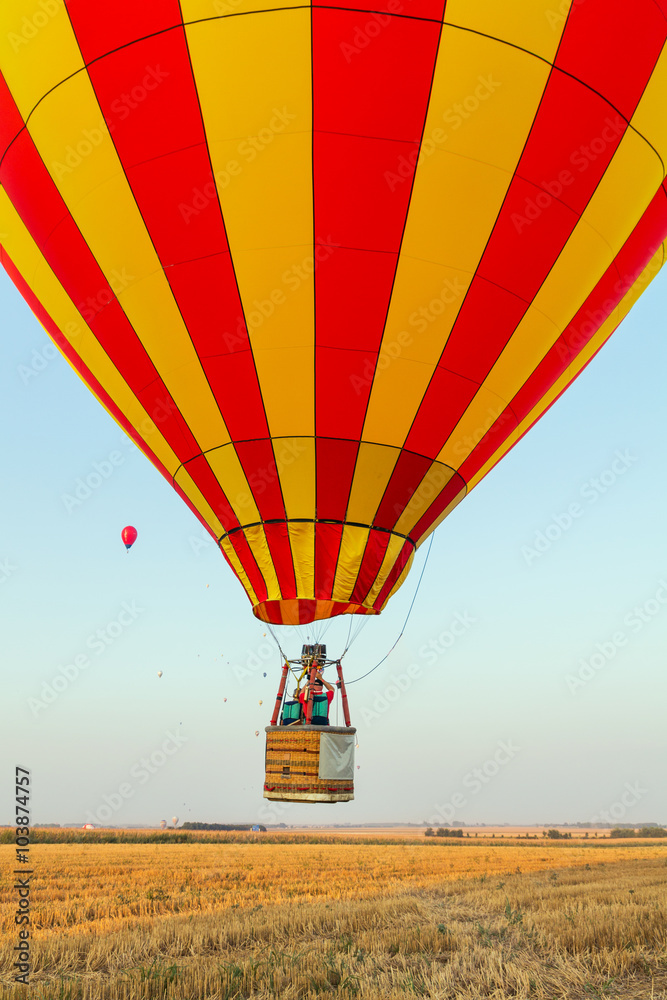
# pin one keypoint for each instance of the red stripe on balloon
(259, 467)
(102, 28)
(277, 538)
(374, 553)
(369, 110)
(441, 502)
(408, 473)
(247, 560)
(612, 47)
(639, 248)
(396, 571)
(327, 549)
(336, 460)
(162, 145)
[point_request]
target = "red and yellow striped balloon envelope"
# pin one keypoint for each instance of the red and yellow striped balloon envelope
(326, 265)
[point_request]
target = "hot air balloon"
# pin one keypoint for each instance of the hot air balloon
(159, 673)
(163, 824)
(174, 820)
(129, 536)
(325, 335)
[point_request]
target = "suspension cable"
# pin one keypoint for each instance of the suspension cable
(407, 617)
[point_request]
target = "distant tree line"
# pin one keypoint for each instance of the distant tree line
(220, 826)
(441, 832)
(644, 831)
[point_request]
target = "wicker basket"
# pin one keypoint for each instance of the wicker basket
(293, 766)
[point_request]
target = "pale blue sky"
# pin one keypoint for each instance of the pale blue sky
(514, 695)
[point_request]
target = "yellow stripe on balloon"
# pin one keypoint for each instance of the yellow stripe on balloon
(196, 10)
(431, 485)
(259, 546)
(580, 361)
(295, 462)
(196, 498)
(100, 200)
(228, 471)
(633, 175)
(396, 543)
(261, 149)
(302, 541)
(230, 552)
(448, 509)
(402, 578)
(631, 180)
(375, 464)
(484, 98)
(38, 49)
(530, 24)
(352, 548)
(649, 118)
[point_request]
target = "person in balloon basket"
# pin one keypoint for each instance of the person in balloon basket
(321, 702)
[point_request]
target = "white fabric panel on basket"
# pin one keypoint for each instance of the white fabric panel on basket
(336, 756)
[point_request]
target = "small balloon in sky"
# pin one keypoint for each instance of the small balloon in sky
(261, 702)
(129, 536)
(224, 699)
(257, 732)
(263, 675)
(159, 673)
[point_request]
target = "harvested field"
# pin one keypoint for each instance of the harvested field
(223, 919)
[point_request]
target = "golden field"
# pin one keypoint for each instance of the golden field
(231, 917)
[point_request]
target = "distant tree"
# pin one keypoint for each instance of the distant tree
(440, 832)
(428, 832)
(555, 835)
(618, 832)
(652, 831)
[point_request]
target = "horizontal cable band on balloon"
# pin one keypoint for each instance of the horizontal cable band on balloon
(313, 520)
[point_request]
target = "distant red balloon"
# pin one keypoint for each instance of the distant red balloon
(129, 536)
